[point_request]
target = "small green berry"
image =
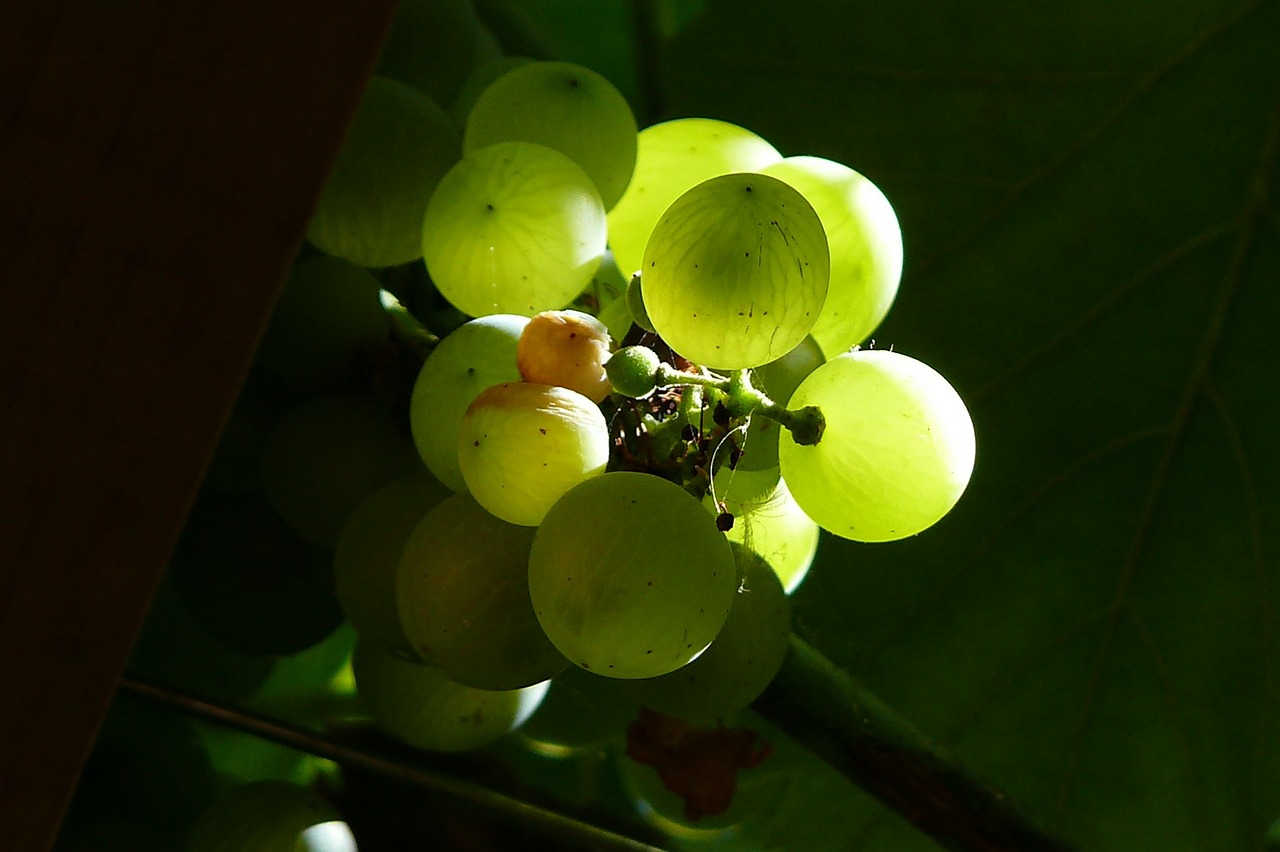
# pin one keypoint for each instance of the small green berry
(633, 371)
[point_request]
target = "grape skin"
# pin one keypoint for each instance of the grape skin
(897, 451)
(513, 227)
(476, 356)
(605, 601)
(521, 445)
(735, 273)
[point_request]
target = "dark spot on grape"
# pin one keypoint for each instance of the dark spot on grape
(488, 207)
(572, 335)
(650, 651)
(748, 187)
(471, 371)
(650, 583)
(652, 264)
(748, 254)
(543, 431)
(475, 443)
(573, 83)
(584, 665)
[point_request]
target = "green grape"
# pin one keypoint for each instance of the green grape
(522, 445)
(367, 555)
(480, 78)
(475, 356)
(741, 661)
(735, 272)
(515, 228)
(778, 379)
(249, 580)
(604, 592)
(399, 146)
(328, 316)
(327, 455)
(431, 45)
(673, 157)
(567, 349)
(266, 816)
(566, 107)
(462, 590)
(897, 451)
(866, 247)
(774, 526)
(418, 704)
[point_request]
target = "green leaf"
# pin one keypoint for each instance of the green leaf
(1088, 197)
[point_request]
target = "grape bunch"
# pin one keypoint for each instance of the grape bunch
(654, 387)
(568, 401)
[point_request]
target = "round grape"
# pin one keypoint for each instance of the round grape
(400, 145)
(735, 272)
(514, 228)
(897, 451)
(866, 247)
(672, 157)
(566, 107)
(475, 356)
(629, 576)
(522, 445)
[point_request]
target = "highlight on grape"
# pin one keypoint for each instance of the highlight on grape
(571, 402)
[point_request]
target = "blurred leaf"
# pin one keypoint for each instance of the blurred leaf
(1093, 258)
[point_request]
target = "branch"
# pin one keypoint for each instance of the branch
(566, 831)
(823, 708)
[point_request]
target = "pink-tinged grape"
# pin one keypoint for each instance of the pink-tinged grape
(399, 147)
(866, 247)
(672, 157)
(325, 456)
(463, 595)
(473, 357)
(268, 816)
(513, 228)
(735, 271)
(566, 107)
(741, 661)
(367, 555)
(420, 705)
(771, 524)
(522, 445)
(604, 592)
(567, 349)
(896, 453)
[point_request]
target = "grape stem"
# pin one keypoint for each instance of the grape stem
(743, 398)
(406, 327)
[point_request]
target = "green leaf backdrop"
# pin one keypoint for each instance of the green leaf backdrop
(1088, 197)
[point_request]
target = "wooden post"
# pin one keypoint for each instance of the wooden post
(158, 162)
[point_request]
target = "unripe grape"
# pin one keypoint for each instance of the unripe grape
(567, 349)
(633, 370)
